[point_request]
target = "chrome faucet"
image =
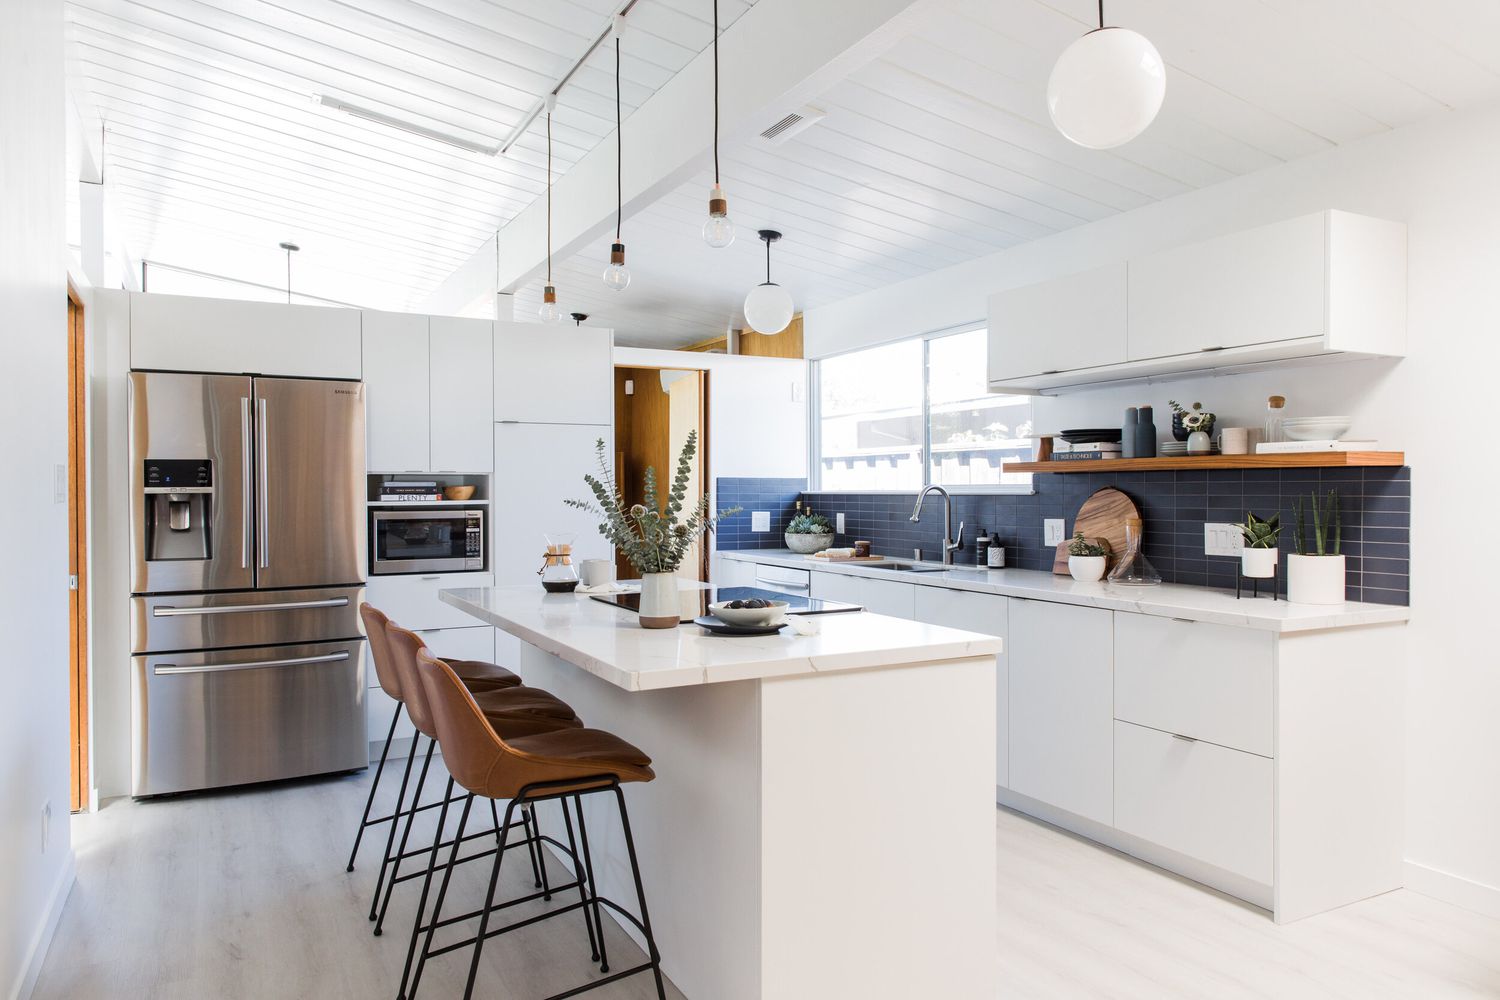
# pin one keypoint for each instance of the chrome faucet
(950, 541)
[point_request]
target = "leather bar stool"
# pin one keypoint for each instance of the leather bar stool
(561, 765)
(480, 676)
(519, 711)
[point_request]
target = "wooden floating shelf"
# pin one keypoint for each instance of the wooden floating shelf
(1297, 460)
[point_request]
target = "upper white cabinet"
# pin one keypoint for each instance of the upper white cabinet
(186, 333)
(548, 374)
(461, 391)
(429, 403)
(1327, 284)
(396, 391)
(1067, 323)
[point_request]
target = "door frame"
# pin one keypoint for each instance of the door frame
(78, 561)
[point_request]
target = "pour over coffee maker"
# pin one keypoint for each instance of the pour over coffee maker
(559, 575)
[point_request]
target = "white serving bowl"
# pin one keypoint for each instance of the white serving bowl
(751, 617)
(1316, 428)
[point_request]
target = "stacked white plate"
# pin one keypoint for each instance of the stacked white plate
(1174, 448)
(1316, 428)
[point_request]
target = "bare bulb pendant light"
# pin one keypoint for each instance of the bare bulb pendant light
(718, 231)
(550, 312)
(768, 307)
(617, 275)
(1107, 87)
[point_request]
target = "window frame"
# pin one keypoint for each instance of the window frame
(815, 420)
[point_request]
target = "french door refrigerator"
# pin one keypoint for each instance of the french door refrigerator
(248, 558)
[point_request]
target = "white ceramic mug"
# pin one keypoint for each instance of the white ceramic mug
(1234, 441)
(597, 572)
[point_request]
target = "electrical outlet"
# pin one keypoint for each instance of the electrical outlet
(1222, 539)
(760, 520)
(1054, 531)
(838, 523)
(46, 824)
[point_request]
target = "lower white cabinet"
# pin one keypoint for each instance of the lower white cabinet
(883, 597)
(411, 600)
(989, 614)
(1197, 798)
(1061, 682)
(475, 642)
(733, 573)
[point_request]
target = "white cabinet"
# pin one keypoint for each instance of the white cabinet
(187, 333)
(469, 643)
(733, 573)
(883, 597)
(1076, 321)
(396, 366)
(1062, 706)
(546, 374)
(537, 467)
(462, 412)
(411, 601)
(989, 614)
(430, 403)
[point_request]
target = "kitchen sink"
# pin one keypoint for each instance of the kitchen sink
(907, 568)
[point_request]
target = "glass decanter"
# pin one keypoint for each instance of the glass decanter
(1134, 569)
(559, 575)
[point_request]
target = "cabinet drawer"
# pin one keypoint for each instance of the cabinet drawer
(412, 601)
(1210, 682)
(473, 643)
(882, 597)
(1202, 800)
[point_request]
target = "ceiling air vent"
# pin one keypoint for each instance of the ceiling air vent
(796, 121)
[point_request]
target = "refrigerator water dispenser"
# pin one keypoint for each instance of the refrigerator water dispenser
(178, 509)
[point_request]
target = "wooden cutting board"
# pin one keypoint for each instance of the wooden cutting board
(1102, 515)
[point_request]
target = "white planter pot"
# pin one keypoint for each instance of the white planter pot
(1315, 579)
(1259, 564)
(806, 543)
(659, 605)
(1087, 569)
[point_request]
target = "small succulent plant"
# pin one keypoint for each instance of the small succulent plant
(1081, 546)
(808, 523)
(1261, 534)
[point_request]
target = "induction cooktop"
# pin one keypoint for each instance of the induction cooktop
(695, 602)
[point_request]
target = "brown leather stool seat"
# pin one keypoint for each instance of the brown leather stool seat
(522, 700)
(479, 675)
(590, 751)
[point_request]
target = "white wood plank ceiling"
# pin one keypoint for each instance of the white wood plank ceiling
(216, 150)
(942, 150)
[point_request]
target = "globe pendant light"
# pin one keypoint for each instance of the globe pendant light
(718, 231)
(1107, 87)
(550, 312)
(617, 275)
(768, 307)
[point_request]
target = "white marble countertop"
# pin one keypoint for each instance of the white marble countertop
(608, 642)
(1167, 600)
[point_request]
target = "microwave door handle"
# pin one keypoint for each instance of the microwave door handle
(263, 527)
(245, 478)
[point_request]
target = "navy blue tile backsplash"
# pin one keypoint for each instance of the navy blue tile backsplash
(1376, 506)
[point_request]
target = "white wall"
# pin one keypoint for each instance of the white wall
(1439, 178)
(33, 422)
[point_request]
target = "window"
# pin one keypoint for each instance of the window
(916, 411)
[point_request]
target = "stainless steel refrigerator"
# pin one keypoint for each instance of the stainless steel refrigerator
(248, 557)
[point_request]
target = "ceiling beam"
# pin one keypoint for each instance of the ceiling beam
(777, 56)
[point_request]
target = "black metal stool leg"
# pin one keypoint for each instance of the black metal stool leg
(390, 840)
(437, 907)
(588, 864)
(411, 817)
(533, 846)
(640, 895)
(583, 896)
(432, 860)
(364, 820)
(489, 902)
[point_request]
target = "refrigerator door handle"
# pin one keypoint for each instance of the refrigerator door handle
(263, 526)
(245, 477)
(167, 611)
(216, 668)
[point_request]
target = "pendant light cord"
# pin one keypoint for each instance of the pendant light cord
(619, 150)
(716, 90)
(1101, 13)
(768, 262)
(549, 197)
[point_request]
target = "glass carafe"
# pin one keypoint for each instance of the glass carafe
(559, 575)
(1134, 569)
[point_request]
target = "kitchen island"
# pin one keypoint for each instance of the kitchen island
(822, 824)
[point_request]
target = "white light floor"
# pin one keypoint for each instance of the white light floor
(244, 895)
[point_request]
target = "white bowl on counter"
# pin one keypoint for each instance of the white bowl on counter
(1316, 428)
(750, 617)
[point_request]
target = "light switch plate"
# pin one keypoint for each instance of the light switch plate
(760, 520)
(1222, 539)
(1054, 531)
(838, 523)
(59, 484)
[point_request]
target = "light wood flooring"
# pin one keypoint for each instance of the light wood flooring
(244, 895)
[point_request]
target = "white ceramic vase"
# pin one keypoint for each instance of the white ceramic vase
(1199, 443)
(659, 605)
(1087, 569)
(1259, 564)
(1315, 579)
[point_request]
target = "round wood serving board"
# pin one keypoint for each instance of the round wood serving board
(1102, 515)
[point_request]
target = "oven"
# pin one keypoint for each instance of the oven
(426, 540)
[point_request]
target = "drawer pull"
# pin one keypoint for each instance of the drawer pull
(1186, 621)
(1185, 739)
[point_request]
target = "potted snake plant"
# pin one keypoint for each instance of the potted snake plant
(1259, 556)
(1315, 575)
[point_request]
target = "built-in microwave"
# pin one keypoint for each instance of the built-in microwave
(426, 540)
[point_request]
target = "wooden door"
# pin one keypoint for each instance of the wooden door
(78, 645)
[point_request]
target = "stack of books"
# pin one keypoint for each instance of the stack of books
(1062, 451)
(1303, 447)
(410, 492)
